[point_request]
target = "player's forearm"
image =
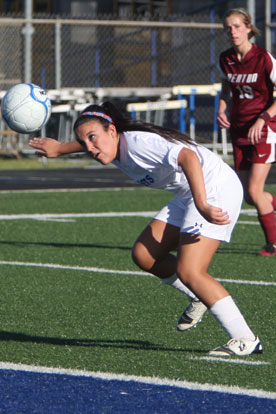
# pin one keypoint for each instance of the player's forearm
(221, 115)
(70, 147)
(222, 105)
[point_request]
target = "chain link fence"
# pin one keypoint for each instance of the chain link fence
(79, 53)
(99, 55)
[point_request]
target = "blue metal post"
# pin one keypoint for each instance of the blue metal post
(192, 113)
(182, 113)
(215, 124)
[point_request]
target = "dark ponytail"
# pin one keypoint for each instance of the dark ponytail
(123, 124)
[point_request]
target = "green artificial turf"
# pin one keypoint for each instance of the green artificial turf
(114, 322)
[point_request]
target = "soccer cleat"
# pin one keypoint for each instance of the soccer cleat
(238, 347)
(191, 316)
(268, 250)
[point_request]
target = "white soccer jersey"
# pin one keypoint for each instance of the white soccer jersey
(152, 161)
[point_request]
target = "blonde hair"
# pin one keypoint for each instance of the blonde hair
(246, 18)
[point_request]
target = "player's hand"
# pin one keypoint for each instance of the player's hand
(223, 120)
(47, 147)
(255, 132)
(214, 214)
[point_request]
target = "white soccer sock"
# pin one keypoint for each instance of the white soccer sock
(229, 316)
(176, 283)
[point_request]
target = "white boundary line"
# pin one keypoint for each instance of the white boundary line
(79, 268)
(230, 361)
(254, 223)
(147, 380)
(101, 214)
(121, 272)
(76, 215)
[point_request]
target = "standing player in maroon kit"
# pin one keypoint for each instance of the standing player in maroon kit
(250, 74)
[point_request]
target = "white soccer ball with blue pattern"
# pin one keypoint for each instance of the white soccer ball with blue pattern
(26, 108)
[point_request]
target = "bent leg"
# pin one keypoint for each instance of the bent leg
(256, 182)
(195, 255)
(151, 251)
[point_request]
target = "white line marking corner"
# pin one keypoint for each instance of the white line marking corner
(147, 380)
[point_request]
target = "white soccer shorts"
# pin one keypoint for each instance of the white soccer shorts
(228, 195)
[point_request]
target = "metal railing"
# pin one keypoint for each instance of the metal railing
(174, 107)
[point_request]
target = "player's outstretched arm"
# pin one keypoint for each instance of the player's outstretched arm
(51, 148)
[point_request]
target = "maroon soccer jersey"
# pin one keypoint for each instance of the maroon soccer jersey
(252, 84)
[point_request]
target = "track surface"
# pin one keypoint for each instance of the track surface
(87, 177)
(95, 177)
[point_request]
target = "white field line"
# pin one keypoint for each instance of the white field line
(121, 272)
(79, 268)
(76, 215)
(254, 223)
(57, 216)
(146, 380)
(230, 361)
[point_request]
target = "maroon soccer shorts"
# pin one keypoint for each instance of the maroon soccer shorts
(246, 155)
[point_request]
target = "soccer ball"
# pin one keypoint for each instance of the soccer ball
(26, 108)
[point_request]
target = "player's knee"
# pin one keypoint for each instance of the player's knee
(141, 257)
(188, 276)
(252, 195)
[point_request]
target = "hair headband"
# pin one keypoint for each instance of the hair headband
(240, 11)
(99, 114)
(245, 13)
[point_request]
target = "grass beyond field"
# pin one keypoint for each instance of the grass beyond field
(71, 296)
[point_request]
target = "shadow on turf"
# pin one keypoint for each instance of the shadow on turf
(101, 343)
(240, 248)
(70, 245)
(233, 248)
